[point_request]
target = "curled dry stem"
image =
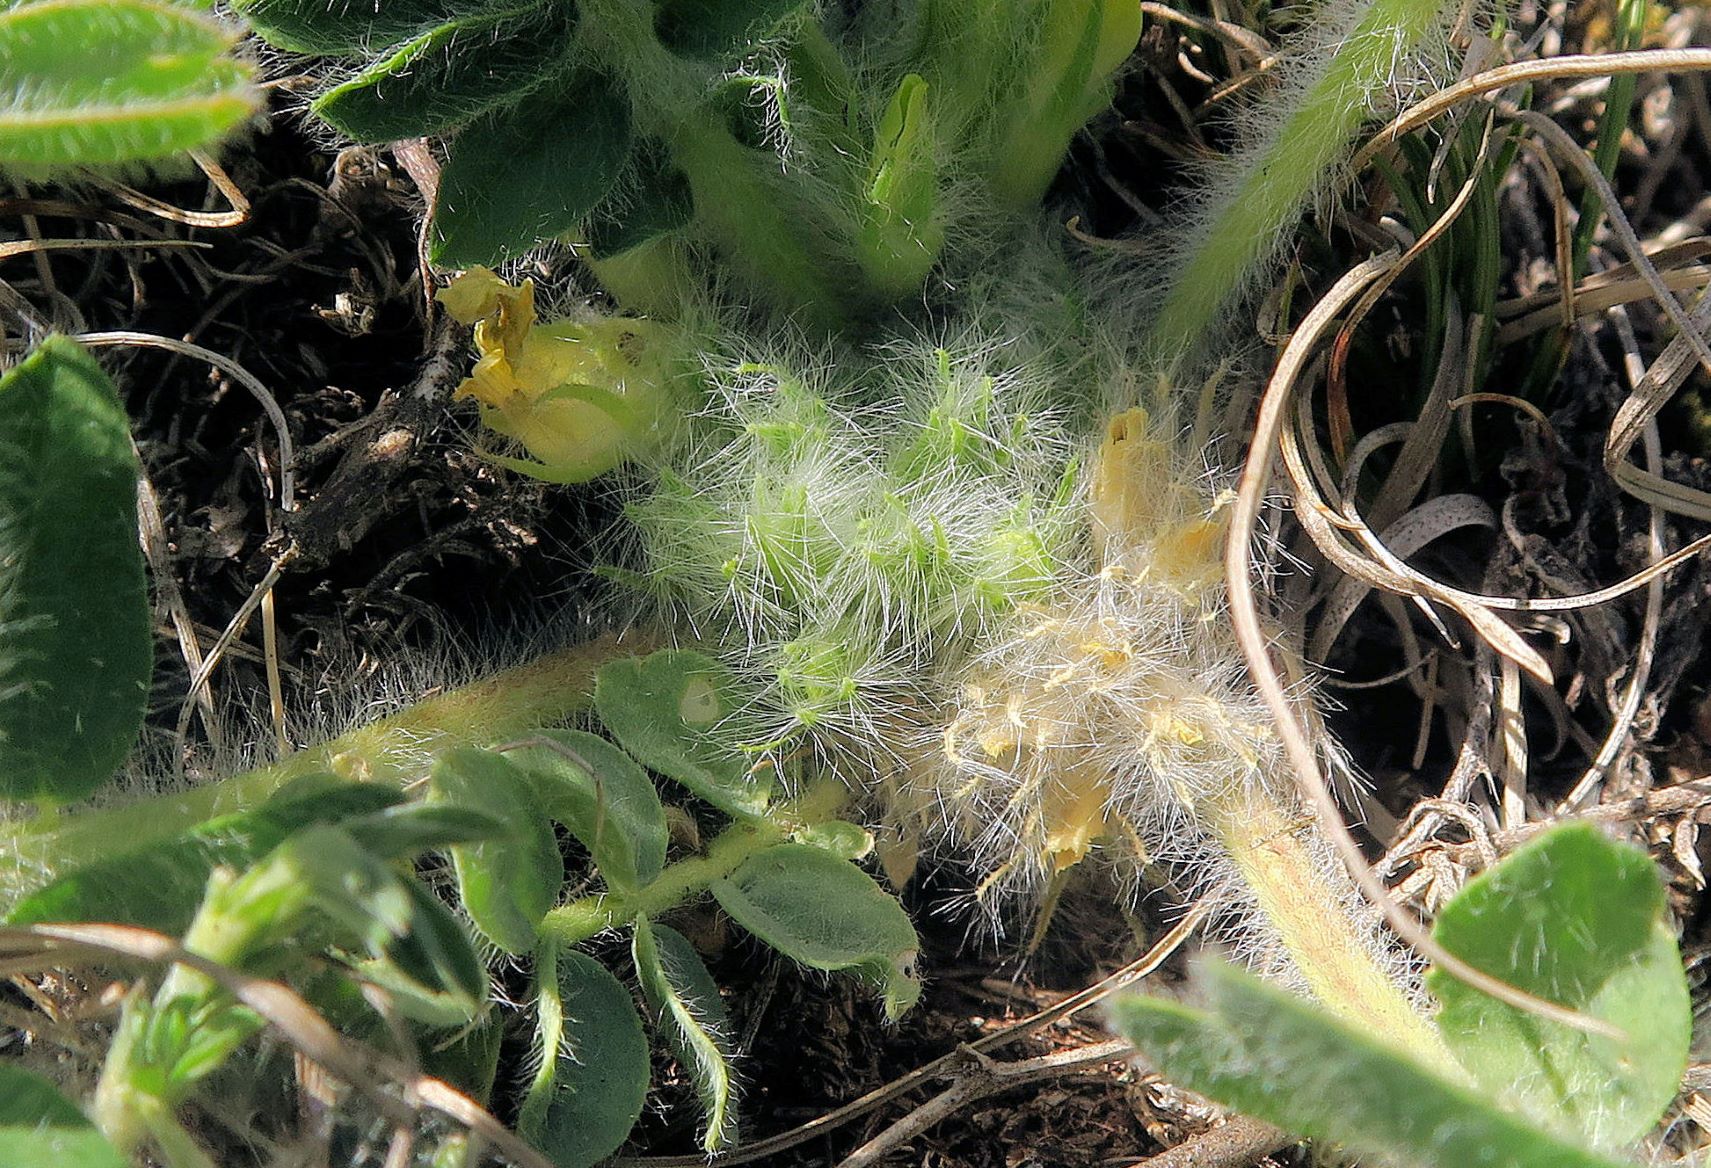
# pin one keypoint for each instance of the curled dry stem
(1256, 475)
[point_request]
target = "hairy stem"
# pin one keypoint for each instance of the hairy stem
(393, 749)
(1287, 169)
(1311, 916)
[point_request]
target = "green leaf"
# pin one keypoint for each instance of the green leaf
(75, 649)
(468, 1058)
(40, 1127)
(530, 173)
(603, 799)
(601, 1081)
(99, 82)
(663, 711)
(160, 885)
(1279, 1059)
(397, 833)
(654, 199)
(687, 1007)
(507, 885)
(719, 28)
(432, 969)
(1577, 919)
(826, 913)
(452, 74)
(344, 26)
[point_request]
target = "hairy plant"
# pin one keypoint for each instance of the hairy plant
(816, 159)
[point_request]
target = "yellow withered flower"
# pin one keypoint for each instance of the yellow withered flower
(581, 397)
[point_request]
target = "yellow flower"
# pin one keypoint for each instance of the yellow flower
(581, 397)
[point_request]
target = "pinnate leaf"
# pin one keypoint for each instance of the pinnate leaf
(1277, 1058)
(662, 710)
(1577, 919)
(826, 913)
(75, 649)
(99, 82)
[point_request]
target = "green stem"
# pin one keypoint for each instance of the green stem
(759, 235)
(579, 920)
(393, 750)
(1288, 170)
(1310, 914)
(549, 1040)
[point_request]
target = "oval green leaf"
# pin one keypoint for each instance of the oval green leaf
(451, 74)
(102, 82)
(826, 913)
(508, 884)
(1577, 919)
(687, 1008)
(603, 799)
(601, 1081)
(663, 710)
(39, 1127)
(75, 649)
(530, 173)
(1276, 1058)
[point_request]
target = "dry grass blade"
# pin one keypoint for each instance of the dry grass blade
(1244, 613)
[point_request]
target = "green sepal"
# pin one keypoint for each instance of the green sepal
(75, 644)
(828, 914)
